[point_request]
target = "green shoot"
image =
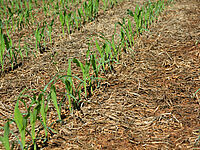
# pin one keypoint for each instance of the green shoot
(85, 71)
(55, 102)
(21, 123)
(5, 138)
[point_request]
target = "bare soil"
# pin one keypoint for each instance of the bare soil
(148, 103)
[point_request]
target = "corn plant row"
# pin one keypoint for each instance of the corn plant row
(143, 16)
(17, 15)
(100, 58)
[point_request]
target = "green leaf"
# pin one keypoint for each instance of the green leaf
(5, 139)
(33, 118)
(54, 98)
(18, 117)
(6, 135)
(43, 112)
(21, 122)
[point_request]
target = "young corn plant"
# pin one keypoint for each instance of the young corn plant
(21, 123)
(81, 14)
(157, 12)
(102, 55)
(138, 20)
(62, 20)
(68, 22)
(36, 109)
(128, 31)
(33, 113)
(43, 108)
(50, 27)
(146, 18)
(69, 84)
(150, 9)
(39, 36)
(105, 4)
(7, 50)
(87, 10)
(76, 20)
(2, 49)
(73, 93)
(55, 101)
(95, 8)
(96, 66)
(115, 46)
(20, 21)
(33, 119)
(85, 72)
(91, 9)
(109, 56)
(20, 49)
(10, 48)
(5, 138)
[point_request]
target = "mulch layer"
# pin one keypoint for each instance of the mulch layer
(147, 103)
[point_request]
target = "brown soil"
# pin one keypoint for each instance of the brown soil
(147, 103)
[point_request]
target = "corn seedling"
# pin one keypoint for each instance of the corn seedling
(81, 14)
(151, 7)
(68, 21)
(102, 54)
(62, 20)
(115, 46)
(146, 18)
(91, 9)
(21, 123)
(73, 92)
(138, 20)
(55, 102)
(69, 84)
(50, 26)
(10, 48)
(95, 66)
(76, 20)
(95, 8)
(87, 10)
(5, 138)
(85, 72)
(43, 110)
(107, 4)
(108, 55)
(39, 36)
(2, 49)
(128, 32)
(35, 109)
(34, 116)
(20, 50)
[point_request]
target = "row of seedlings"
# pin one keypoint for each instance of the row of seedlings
(97, 62)
(19, 16)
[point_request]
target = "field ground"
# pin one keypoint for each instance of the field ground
(146, 104)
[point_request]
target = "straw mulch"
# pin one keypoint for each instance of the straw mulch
(148, 102)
